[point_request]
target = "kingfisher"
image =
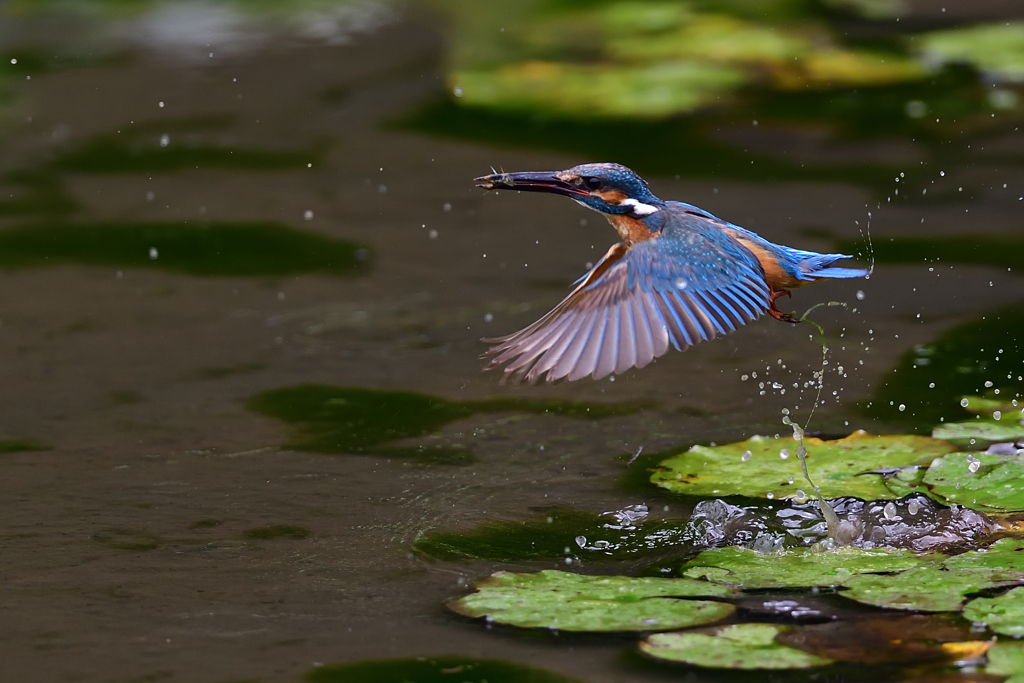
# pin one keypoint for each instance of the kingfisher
(679, 276)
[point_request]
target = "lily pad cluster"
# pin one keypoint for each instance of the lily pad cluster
(653, 59)
(861, 465)
(714, 581)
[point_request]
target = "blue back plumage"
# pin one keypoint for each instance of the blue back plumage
(798, 263)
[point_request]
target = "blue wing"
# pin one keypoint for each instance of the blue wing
(682, 287)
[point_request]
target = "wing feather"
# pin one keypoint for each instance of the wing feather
(687, 285)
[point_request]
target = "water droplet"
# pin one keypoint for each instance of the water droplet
(771, 496)
(488, 317)
(912, 507)
(902, 407)
(784, 454)
(307, 215)
(964, 403)
(165, 140)
(988, 384)
(153, 253)
(860, 295)
(746, 456)
(889, 511)
(581, 541)
(458, 91)
(161, 105)
(997, 415)
(432, 234)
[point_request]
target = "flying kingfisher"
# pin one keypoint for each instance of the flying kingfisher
(679, 276)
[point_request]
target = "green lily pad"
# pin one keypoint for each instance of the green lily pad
(332, 419)
(905, 480)
(1007, 659)
(741, 646)
(994, 486)
(839, 467)
(1003, 614)
(572, 602)
(925, 589)
(996, 49)
(642, 91)
(1005, 554)
(434, 670)
(797, 569)
(987, 406)
(1008, 428)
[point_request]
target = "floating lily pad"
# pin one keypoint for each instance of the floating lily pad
(925, 589)
(988, 407)
(1004, 613)
(572, 602)
(741, 646)
(797, 569)
(330, 419)
(646, 91)
(1006, 658)
(216, 249)
(840, 468)
(1008, 428)
(905, 480)
(1005, 554)
(996, 49)
(993, 486)
(434, 670)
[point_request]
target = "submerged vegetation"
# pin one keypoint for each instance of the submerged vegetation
(333, 419)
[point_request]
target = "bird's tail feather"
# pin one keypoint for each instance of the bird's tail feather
(839, 273)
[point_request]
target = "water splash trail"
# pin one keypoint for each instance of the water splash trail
(831, 519)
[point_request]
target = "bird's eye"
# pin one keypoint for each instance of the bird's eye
(592, 183)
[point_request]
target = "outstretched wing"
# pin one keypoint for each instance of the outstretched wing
(682, 287)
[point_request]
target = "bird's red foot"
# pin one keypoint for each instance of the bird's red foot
(774, 312)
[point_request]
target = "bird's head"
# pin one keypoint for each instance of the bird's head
(608, 188)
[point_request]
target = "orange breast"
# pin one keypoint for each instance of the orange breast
(631, 230)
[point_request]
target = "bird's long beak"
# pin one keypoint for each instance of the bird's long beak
(530, 181)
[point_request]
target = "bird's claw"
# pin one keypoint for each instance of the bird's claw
(784, 317)
(776, 313)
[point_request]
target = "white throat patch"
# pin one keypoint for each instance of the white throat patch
(638, 208)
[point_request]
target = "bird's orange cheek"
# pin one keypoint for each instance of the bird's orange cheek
(613, 197)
